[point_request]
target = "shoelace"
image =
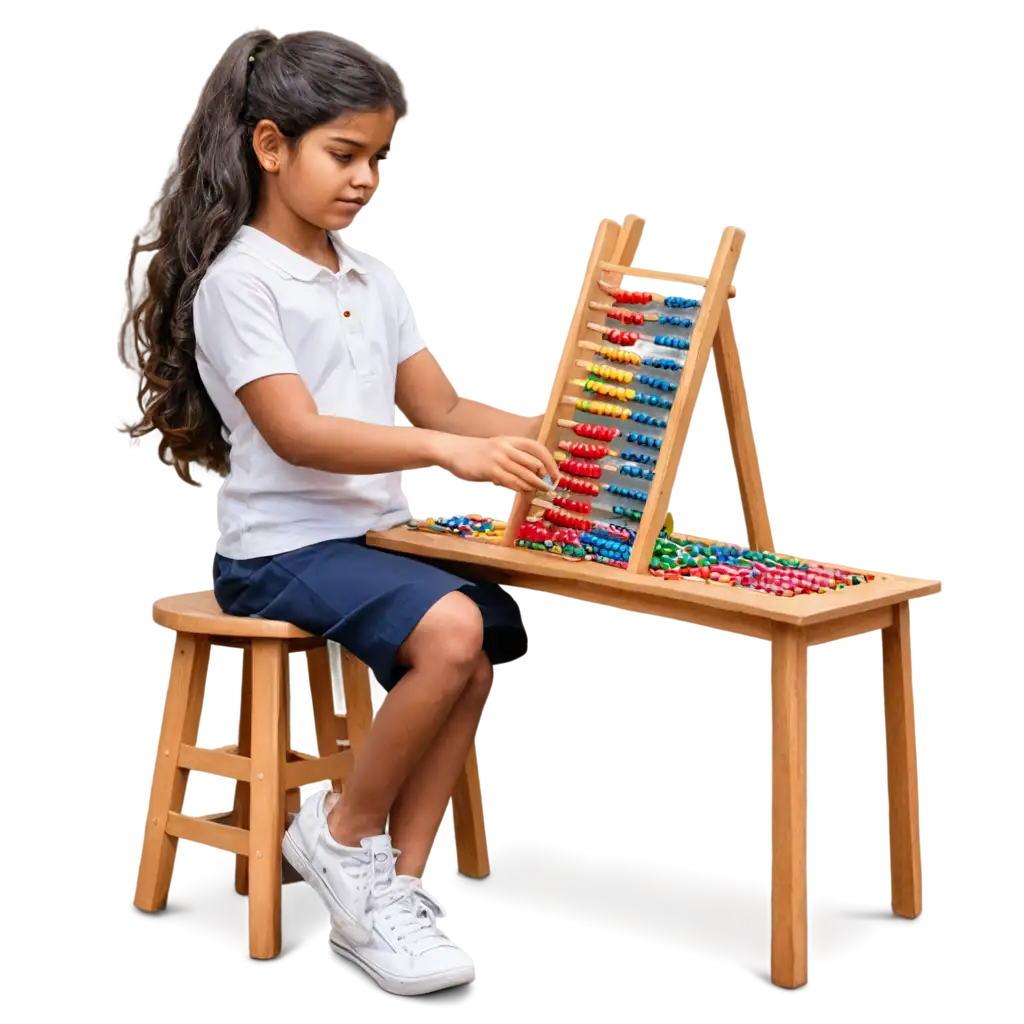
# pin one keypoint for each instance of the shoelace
(428, 903)
(409, 911)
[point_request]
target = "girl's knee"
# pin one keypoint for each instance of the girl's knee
(479, 684)
(452, 631)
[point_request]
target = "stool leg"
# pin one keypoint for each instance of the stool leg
(266, 811)
(240, 812)
(182, 708)
(355, 677)
(468, 814)
(292, 797)
(901, 749)
(325, 719)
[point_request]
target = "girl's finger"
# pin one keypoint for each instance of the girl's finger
(546, 458)
(505, 479)
(529, 478)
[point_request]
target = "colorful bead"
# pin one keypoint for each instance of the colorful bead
(623, 337)
(626, 492)
(625, 316)
(671, 341)
(663, 364)
(650, 442)
(636, 471)
(619, 356)
(632, 298)
(677, 303)
(675, 321)
(581, 468)
(596, 431)
(569, 483)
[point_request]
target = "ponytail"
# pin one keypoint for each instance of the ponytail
(298, 81)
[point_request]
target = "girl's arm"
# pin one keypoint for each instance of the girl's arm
(428, 399)
(283, 411)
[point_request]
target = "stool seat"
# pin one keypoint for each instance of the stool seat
(200, 613)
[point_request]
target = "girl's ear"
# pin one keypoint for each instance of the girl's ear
(268, 143)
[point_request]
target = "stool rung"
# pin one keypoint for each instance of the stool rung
(334, 766)
(214, 762)
(202, 830)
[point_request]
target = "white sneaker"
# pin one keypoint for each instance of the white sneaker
(341, 874)
(407, 954)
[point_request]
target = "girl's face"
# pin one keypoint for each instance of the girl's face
(334, 170)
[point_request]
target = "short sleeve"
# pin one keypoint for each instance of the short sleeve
(238, 329)
(409, 339)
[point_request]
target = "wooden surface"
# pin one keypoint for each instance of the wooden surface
(723, 607)
(200, 613)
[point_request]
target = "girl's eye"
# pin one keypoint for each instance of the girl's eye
(344, 158)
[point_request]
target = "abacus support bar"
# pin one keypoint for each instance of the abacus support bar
(659, 275)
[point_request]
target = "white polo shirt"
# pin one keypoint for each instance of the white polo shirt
(262, 308)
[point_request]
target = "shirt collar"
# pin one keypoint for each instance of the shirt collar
(294, 264)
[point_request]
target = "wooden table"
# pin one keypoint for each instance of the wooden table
(792, 625)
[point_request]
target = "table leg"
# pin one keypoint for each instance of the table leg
(901, 750)
(789, 806)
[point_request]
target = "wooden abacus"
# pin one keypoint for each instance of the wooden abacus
(749, 609)
(605, 335)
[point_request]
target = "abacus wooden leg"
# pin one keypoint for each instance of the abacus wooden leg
(355, 677)
(901, 749)
(468, 814)
(789, 806)
(180, 724)
(325, 720)
(240, 812)
(266, 813)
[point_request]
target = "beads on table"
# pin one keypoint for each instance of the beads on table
(676, 321)
(471, 527)
(758, 571)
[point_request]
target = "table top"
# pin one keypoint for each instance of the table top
(748, 611)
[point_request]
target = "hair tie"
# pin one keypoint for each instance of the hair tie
(250, 64)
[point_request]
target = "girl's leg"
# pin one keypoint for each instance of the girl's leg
(420, 805)
(442, 652)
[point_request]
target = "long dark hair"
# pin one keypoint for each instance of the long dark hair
(298, 81)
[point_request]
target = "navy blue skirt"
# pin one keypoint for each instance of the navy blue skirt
(367, 600)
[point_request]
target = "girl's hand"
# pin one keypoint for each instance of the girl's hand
(518, 463)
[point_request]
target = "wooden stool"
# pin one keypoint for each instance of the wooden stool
(267, 772)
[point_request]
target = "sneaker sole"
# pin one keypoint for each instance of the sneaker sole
(298, 860)
(399, 986)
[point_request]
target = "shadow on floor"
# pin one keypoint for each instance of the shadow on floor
(722, 921)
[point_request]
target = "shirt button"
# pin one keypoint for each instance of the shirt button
(348, 312)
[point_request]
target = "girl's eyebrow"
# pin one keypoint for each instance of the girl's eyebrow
(358, 145)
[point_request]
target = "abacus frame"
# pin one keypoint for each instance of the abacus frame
(610, 261)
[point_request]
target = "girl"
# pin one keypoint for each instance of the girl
(273, 353)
